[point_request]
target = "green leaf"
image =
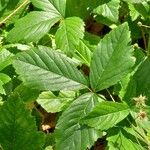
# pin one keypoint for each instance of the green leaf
(5, 58)
(6, 6)
(17, 127)
(106, 115)
(25, 93)
(113, 58)
(53, 6)
(136, 1)
(142, 80)
(69, 34)
(49, 148)
(45, 69)
(83, 53)
(33, 26)
(77, 8)
(143, 9)
(109, 10)
(133, 12)
(119, 139)
(3, 80)
(93, 4)
(70, 135)
(52, 103)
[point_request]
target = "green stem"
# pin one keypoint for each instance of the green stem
(110, 95)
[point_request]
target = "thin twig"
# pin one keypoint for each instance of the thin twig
(145, 26)
(110, 95)
(144, 39)
(14, 12)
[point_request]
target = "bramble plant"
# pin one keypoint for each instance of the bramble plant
(74, 75)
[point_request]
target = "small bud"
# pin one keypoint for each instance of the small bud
(136, 45)
(142, 115)
(139, 24)
(140, 101)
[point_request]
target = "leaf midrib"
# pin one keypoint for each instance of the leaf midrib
(52, 72)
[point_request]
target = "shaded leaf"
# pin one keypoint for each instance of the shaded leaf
(26, 93)
(119, 139)
(77, 8)
(142, 80)
(17, 127)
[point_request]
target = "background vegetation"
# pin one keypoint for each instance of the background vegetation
(74, 75)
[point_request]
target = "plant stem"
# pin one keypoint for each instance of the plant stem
(110, 95)
(145, 26)
(144, 39)
(14, 12)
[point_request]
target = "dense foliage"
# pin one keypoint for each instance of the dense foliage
(74, 74)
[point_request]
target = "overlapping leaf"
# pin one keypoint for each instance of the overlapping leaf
(119, 139)
(45, 69)
(83, 53)
(18, 128)
(69, 34)
(136, 1)
(52, 103)
(52, 6)
(3, 80)
(70, 135)
(25, 93)
(7, 6)
(5, 58)
(113, 58)
(141, 79)
(109, 10)
(33, 26)
(105, 115)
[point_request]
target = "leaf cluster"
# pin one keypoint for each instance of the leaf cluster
(73, 73)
